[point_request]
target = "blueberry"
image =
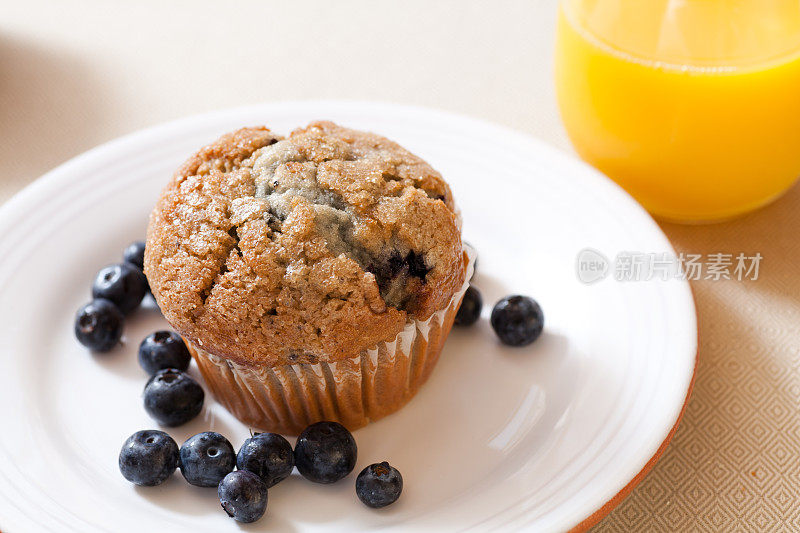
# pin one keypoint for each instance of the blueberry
(517, 320)
(172, 398)
(134, 254)
(267, 455)
(325, 452)
(148, 457)
(123, 284)
(379, 485)
(470, 310)
(163, 349)
(243, 495)
(98, 325)
(206, 458)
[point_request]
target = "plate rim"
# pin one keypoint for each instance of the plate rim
(613, 502)
(579, 523)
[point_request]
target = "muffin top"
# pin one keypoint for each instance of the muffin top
(271, 251)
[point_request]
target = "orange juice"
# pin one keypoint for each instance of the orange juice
(693, 106)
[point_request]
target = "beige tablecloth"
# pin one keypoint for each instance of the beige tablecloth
(74, 74)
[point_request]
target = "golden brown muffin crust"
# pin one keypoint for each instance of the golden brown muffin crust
(271, 251)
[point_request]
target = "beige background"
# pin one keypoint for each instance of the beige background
(75, 74)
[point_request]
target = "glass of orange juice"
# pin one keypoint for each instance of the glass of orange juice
(693, 106)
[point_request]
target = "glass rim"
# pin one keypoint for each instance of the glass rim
(721, 66)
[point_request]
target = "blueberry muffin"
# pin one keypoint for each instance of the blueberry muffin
(314, 277)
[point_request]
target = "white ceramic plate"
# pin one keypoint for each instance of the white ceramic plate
(500, 438)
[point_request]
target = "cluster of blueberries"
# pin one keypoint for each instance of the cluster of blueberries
(517, 320)
(171, 396)
(325, 452)
(117, 290)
